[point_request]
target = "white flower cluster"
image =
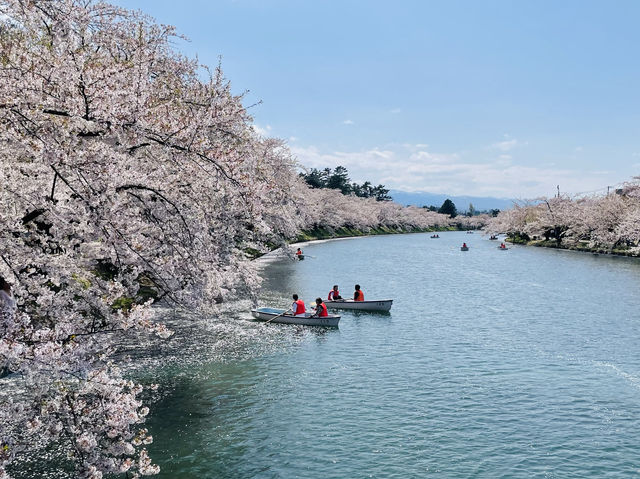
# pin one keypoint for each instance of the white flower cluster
(607, 222)
(125, 179)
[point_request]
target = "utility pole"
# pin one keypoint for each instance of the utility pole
(558, 191)
(608, 187)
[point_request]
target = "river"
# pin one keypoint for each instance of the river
(518, 364)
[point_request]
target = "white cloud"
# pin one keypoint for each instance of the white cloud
(266, 131)
(505, 145)
(395, 111)
(348, 122)
(406, 169)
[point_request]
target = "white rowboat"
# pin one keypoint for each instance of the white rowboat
(378, 305)
(274, 315)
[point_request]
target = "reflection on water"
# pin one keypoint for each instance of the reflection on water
(519, 364)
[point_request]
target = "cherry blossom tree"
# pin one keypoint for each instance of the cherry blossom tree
(328, 208)
(123, 172)
(601, 222)
(130, 175)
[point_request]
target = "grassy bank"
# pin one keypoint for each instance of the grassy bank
(345, 232)
(582, 246)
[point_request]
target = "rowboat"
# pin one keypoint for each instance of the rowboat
(300, 257)
(505, 248)
(464, 248)
(274, 315)
(377, 305)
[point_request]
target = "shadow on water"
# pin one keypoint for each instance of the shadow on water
(373, 314)
(210, 410)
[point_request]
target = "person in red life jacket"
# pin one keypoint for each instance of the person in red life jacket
(297, 307)
(299, 254)
(358, 295)
(464, 245)
(334, 294)
(321, 309)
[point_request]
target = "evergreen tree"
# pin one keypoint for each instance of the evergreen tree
(339, 180)
(381, 193)
(315, 178)
(448, 208)
(364, 190)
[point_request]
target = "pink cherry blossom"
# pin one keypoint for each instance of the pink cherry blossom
(130, 175)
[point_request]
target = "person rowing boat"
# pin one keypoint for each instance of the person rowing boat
(334, 294)
(358, 295)
(320, 310)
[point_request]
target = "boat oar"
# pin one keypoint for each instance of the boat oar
(275, 317)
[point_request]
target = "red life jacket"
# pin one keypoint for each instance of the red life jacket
(359, 296)
(323, 310)
(333, 294)
(299, 307)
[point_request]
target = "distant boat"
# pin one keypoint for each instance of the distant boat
(374, 305)
(435, 236)
(464, 248)
(274, 315)
(469, 232)
(493, 237)
(500, 247)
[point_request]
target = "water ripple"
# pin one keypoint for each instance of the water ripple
(491, 365)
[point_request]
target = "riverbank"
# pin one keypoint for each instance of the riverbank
(320, 234)
(582, 246)
(345, 232)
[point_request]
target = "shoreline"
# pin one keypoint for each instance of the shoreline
(346, 232)
(552, 244)
(309, 237)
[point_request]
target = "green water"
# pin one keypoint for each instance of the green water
(516, 364)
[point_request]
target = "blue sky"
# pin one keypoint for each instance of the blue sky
(486, 98)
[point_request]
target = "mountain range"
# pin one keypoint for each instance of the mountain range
(479, 203)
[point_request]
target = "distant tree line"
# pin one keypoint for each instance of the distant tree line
(338, 179)
(449, 208)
